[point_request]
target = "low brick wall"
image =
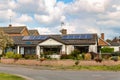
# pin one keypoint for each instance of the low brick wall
(56, 62)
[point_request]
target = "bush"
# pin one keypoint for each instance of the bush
(10, 54)
(65, 56)
(28, 56)
(75, 54)
(117, 53)
(80, 57)
(17, 56)
(98, 58)
(115, 58)
(76, 62)
(87, 56)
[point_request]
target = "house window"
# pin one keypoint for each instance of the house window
(29, 50)
(52, 49)
(82, 49)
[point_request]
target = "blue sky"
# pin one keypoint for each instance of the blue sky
(66, 1)
(79, 16)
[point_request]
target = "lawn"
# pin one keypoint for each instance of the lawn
(4, 76)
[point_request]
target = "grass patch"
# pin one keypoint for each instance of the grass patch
(4, 76)
(92, 68)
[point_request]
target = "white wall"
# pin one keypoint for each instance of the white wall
(70, 48)
(116, 48)
(93, 48)
(38, 50)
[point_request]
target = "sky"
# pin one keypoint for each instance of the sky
(79, 16)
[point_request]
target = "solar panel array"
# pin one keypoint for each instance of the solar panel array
(80, 36)
(41, 37)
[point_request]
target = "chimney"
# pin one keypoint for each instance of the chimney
(102, 36)
(63, 31)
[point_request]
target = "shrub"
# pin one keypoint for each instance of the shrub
(17, 56)
(80, 57)
(10, 54)
(115, 58)
(98, 58)
(75, 54)
(29, 56)
(76, 62)
(117, 53)
(65, 56)
(88, 56)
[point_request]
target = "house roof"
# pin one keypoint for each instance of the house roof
(102, 42)
(32, 32)
(19, 40)
(115, 43)
(13, 30)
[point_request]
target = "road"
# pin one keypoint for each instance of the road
(42, 74)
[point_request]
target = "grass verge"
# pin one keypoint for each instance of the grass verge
(92, 68)
(4, 76)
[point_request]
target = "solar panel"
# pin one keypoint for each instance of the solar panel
(28, 43)
(25, 37)
(40, 37)
(78, 36)
(34, 37)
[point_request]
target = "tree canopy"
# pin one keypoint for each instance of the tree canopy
(5, 40)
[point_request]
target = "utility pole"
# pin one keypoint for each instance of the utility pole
(10, 19)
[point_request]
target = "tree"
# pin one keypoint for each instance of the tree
(5, 41)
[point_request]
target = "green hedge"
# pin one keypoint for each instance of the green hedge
(107, 50)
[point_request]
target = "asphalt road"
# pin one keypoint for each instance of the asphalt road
(42, 74)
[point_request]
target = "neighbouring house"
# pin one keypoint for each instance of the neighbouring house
(19, 31)
(15, 30)
(115, 43)
(33, 32)
(102, 42)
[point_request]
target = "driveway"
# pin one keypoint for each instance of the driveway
(42, 74)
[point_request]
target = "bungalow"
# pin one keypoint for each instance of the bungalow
(58, 44)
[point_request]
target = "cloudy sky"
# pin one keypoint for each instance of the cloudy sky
(79, 16)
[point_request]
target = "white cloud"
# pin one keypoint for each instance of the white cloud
(87, 5)
(5, 14)
(25, 1)
(110, 15)
(53, 13)
(117, 7)
(12, 4)
(109, 23)
(24, 18)
(80, 16)
(18, 24)
(43, 30)
(70, 28)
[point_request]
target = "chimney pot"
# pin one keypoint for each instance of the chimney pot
(10, 25)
